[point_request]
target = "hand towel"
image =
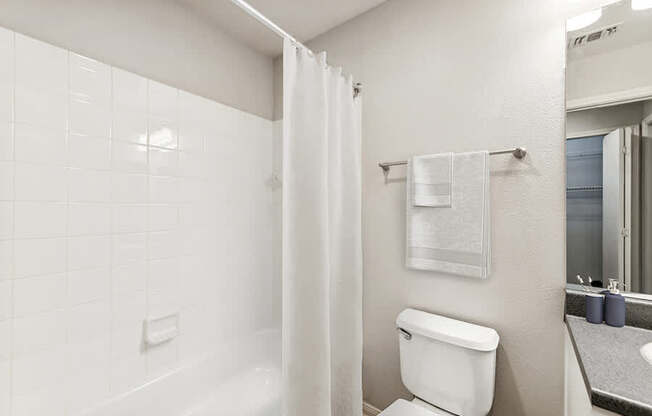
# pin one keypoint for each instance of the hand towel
(453, 240)
(431, 180)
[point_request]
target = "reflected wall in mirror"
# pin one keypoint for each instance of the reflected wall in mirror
(609, 146)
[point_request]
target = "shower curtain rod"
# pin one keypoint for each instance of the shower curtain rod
(250, 10)
(253, 12)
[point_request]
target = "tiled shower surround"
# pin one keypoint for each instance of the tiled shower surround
(120, 199)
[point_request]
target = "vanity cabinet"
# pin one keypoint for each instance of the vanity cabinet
(576, 397)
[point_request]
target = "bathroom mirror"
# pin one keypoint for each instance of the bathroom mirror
(609, 146)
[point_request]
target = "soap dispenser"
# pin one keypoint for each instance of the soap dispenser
(614, 305)
(594, 303)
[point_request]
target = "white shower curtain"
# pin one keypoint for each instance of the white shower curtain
(322, 249)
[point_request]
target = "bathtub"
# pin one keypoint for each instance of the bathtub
(240, 379)
(253, 392)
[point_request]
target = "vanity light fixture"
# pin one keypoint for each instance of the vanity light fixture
(641, 4)
(584, 20)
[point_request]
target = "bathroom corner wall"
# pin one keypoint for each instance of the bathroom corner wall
(121, 198)
(165, 41)
(451, 75)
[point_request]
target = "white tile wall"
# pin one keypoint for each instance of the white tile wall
(120, 197)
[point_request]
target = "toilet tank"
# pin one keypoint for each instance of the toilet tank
(448, 363)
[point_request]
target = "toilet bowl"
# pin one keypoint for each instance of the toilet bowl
(448, 365)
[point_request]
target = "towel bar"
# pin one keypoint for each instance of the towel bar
(517, 152)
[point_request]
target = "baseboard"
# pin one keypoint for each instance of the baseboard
(369, 410)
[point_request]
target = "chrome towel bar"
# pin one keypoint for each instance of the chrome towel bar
(517, 152)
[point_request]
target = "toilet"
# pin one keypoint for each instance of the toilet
(448, 365)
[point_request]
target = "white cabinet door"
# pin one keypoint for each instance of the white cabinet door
(576, 396)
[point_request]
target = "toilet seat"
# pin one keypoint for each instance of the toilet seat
(404, 408)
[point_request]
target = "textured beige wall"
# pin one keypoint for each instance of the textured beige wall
(451, 75)
(278, 88)
(161, 40)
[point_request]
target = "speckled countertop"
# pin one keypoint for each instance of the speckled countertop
(617, 376)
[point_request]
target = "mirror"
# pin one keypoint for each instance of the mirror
(609, 146)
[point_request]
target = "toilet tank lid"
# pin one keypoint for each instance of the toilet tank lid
(452, 331)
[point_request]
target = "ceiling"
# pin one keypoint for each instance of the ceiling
(303, 19)
(633, 28)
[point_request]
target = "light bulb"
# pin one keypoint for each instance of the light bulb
(641, 4)
(584, 20)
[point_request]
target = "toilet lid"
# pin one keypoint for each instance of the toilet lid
(404, 408)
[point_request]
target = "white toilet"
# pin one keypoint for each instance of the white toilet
(448, 365)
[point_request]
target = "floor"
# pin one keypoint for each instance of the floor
(369, 410)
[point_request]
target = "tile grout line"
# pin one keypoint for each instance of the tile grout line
(13, 225)
(111, 251)
(67, 239)
(177, 228)
(146, 349)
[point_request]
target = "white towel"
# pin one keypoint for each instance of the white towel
(431, 180)
(453, 240)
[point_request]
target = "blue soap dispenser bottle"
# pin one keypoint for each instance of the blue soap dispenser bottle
(614, 305)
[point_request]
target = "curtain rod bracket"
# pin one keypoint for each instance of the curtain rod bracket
(357, 89)
(253, 12)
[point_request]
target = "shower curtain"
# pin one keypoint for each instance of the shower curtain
(322, 249)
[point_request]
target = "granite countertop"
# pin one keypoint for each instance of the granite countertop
(617, 376)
